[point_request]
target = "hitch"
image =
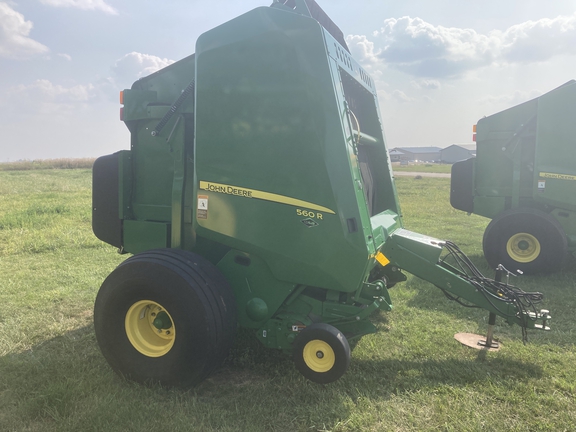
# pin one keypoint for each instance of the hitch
(476, 341)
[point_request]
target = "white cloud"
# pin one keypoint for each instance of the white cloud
(45, 97)
(412, 39)
(421, 49)
(65, 56)
(99, 5)
(401, 97)
(136, 65)
(14, 31)
(426, 84)
(536, 41)
(509, 99)
(362, 49)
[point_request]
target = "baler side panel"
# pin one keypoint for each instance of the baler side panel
(555, 162)
(158, 162)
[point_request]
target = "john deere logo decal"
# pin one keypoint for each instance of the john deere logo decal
(266, 196)
(310, 223)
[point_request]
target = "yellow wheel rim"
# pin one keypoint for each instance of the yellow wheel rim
(150, 328)
(523, 247)
(319, 356)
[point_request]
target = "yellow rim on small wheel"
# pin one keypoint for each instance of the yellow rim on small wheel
(150, 328)
(523, 247)
(319, 356)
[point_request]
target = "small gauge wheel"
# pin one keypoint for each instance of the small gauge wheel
(321, 353)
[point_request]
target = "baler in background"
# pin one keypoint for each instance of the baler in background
(524, 178)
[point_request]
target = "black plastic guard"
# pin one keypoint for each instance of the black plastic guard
(106, 222)
(462, 185)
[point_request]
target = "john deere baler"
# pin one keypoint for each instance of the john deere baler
(257, 192)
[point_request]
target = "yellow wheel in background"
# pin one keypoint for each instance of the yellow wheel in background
(523, 247)
(526, 240)
(150, 328)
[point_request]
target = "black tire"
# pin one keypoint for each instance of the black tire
(321, 353)
(525, 239)
(197, 306)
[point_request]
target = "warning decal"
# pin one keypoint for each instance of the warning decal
(202, 211)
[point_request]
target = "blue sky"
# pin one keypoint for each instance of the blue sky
(439, 65)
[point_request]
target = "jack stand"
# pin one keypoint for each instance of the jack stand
(472, 340)
(478, 341)
(489, 343)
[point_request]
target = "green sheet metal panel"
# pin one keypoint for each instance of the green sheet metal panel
(555, 164)
(153, 157)
(144, 235)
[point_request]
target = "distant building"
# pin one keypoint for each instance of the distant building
(410, 154)
(457, 152)
(395, 155)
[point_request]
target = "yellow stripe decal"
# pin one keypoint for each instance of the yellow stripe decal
(266, 196)
(557, 176)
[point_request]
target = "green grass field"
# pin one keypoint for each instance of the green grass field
(410, 376)
(42, 164)
(423, 167)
